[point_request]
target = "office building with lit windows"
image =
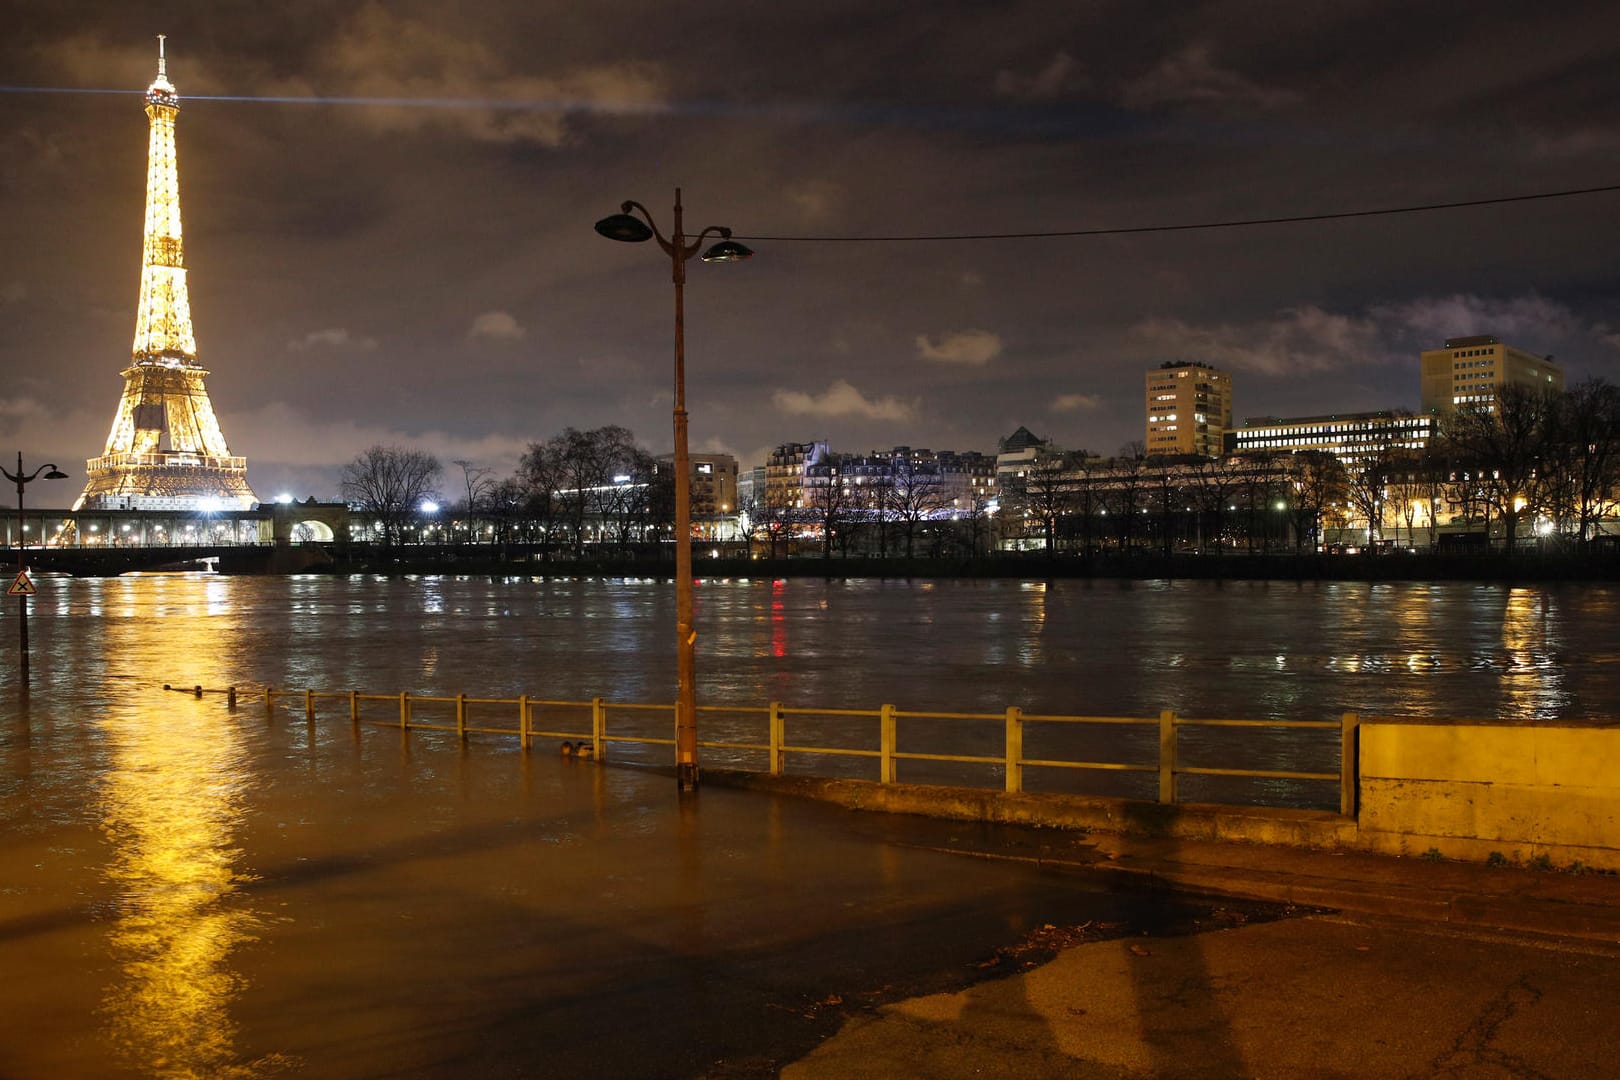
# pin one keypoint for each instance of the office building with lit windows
(1351, 437)
(1468, 371)
(1189, 409)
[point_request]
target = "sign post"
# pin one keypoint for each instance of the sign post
(22, 587)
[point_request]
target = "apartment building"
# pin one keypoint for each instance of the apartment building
(1188, 408)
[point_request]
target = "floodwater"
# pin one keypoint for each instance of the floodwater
(187, 891)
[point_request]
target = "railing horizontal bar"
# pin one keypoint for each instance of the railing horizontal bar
(644, 742)
(735, 745)
(414, 726)
(999, 717)
(628, 707)
(966, 758)
(1091, 720)
(1106, 766)
(872, 713)
(1325, 725)
(833, 750)
(743, 710)
(492, 730)
(1263, 774)
(533, 734)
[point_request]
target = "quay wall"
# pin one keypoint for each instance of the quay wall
(1470, 791)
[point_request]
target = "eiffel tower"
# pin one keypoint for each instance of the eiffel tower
(165, 451)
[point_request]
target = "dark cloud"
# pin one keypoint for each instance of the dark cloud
(388, 213)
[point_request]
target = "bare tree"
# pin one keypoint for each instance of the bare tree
(1318, 481)
(915, 497)
(1501, 445)
(390, 483)
(477, 485)
(1045, 492)
(829, 503)
(1583, 461)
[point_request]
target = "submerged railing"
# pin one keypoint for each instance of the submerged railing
(533, 718)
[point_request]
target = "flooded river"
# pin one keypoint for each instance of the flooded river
(192, 892)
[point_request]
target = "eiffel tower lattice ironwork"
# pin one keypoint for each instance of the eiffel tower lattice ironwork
(165, 450)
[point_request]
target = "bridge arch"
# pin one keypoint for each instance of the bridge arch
(309, 522)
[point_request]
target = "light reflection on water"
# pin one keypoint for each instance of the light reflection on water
(175, 796)
(1280, 650)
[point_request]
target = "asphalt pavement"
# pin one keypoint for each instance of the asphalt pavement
(1391, 967)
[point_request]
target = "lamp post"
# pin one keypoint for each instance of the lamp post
(628, 228)
(22, 480)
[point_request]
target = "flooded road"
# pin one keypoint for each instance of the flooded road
(217, 896)
(192, 892)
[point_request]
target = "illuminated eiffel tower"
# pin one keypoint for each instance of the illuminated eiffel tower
(165, 451)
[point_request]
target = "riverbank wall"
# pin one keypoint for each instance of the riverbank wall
(1516, 793)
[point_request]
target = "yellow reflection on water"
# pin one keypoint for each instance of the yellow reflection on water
(171, 806)
(1533, 682)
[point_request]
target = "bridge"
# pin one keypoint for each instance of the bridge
(103, 542)
(97, 561)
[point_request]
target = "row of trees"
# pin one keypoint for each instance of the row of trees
(1534, 462)
(574, 488)
(877, 504)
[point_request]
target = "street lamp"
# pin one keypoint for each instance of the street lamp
(627, 228)
(22, 480)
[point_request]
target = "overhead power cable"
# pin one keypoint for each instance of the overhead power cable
(1233, 224)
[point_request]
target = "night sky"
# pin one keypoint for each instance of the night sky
(421, 270)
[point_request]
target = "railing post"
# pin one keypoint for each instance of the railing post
(1167, 756)
(230, 698)
(404, 710)
(1015, 749)
(778, 736)
(461, 717)
(269, 702)
(354, 707)
(309, 706)
(1349, 762)
(523, 722)
(598, 728)
(886, 744)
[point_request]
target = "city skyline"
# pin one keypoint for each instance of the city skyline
(411, 261)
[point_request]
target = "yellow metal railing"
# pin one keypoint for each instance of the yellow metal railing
(777, 747)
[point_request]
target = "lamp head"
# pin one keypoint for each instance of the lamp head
(728, 251)
(56, 474)
(624, 227)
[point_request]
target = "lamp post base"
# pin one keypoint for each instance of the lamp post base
(686, 776)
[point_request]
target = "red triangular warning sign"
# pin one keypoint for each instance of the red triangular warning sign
(21, 585)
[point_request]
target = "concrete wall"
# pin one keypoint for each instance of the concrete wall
(1469, 790)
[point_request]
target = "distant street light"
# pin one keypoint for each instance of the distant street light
(627, 228)
(22, 480)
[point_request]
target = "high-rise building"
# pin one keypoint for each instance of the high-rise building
(1189, 408)
(165, 451)
(1469, 370)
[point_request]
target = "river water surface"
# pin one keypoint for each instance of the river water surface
(188, 891)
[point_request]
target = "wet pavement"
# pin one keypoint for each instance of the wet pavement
(1322, 996)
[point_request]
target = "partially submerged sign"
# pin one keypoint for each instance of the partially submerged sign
(21, 585)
